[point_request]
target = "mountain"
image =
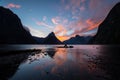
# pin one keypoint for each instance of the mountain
(78, 40)
(50, 39)
(12, 30)
(109, 29)
(39, 40)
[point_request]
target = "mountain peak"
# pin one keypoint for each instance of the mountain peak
(52, 34)
(52, 39)
(77, 36)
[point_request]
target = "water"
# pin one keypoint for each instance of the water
(83, 62)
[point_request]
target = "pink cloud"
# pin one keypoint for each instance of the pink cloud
(67, 7)
(82, 26)
(40, 23)
(82, 8)
(60, 30)
(75, 17)
(54, 21)
(63, 1)
(96, 11)
(75, 4)
(59, 20)
(12, 5)
(94, 3)
(92, 24)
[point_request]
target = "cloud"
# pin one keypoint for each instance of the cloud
(67, 7)
(54, 21)
(59, 20)
(26, 28)
(40, 23)
(90, 32)
(74, 5)
(92, 24)
(85, 15)
(60, 30)
(36, 32)
(82, 8)
(12, 5)
(63, 38)
(44, 18)
(82, 26)
(93, 4)
(77, 17)
(77, 27)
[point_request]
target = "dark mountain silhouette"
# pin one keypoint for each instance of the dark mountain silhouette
(50, 39)
(12, 30)
(109, 29)
(78, 40)
(39, 40)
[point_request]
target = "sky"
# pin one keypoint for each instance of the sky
(66, 18)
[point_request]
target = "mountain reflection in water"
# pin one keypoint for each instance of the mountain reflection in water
(86, 62)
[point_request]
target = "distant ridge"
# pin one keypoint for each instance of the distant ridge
(78, 40)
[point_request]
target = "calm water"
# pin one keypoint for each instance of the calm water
(83, 62)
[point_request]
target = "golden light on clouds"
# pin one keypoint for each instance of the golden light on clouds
(62, 38)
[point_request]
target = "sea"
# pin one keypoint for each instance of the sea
(54, 62)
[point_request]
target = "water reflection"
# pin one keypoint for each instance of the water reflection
(43, 54)
(79, 63)
(109, 61)
(51, 52)
(9, 65)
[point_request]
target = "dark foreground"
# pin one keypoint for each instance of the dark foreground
(50, 63)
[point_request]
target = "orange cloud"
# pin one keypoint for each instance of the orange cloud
(63, 38)
(92, 25)
(78, 27)
(12, 5)
(82, 26)
(60, 30)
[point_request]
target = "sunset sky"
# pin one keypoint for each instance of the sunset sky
(66, 18)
